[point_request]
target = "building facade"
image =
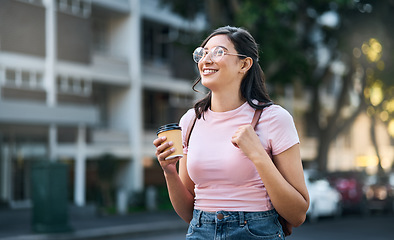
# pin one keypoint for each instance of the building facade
(81, 79)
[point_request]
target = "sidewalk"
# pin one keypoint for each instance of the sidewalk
(16, 225)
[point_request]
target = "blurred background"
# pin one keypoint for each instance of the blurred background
(84, 84)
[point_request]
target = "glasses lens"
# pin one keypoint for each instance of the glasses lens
(217, 53)
(198, 54)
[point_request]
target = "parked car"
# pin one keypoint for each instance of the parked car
(380, 193)
(391, 185)
(351, 186)
(324, 199)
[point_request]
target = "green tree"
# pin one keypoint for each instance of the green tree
(372, 41)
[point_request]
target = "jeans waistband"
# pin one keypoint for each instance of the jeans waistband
(230, 216)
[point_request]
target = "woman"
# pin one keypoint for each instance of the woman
(234, 180)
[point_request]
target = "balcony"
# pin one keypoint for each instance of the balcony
(36, 113)
(104, 141)
(108, 69)
(110, 137)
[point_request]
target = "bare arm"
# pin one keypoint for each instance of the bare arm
(180, 186)
(283, 177)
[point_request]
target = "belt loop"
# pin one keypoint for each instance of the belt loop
(241, 219)
(199, 218)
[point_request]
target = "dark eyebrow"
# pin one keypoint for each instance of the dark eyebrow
(223, 47)
(218, 46)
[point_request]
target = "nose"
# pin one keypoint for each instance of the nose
(205, 58)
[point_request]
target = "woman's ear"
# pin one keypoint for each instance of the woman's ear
(247, 64)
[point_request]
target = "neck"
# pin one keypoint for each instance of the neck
(224, 103)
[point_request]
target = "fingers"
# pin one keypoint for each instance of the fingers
(161, 145)
(164, 153)
(237, 135)
(235, 138)
(158, 141)
(163, 148)
(241, 134)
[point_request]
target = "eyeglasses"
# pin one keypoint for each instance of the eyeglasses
(216, 54)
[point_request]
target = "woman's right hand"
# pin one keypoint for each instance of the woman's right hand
(163, 150)
(180, 186)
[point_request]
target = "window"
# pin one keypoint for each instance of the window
(161, 108)
(24, 78)
(99, 32)
(73, 85)
(80, 8)
(76, 85)
(10, 77)
(86, 87)
(156, 43)
(39, 80)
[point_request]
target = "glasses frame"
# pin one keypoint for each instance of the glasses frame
(218, 58)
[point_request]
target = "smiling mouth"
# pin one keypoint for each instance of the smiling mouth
(208, 71)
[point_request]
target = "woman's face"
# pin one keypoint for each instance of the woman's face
(224, 73)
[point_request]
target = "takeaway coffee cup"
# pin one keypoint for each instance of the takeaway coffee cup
(173, 133)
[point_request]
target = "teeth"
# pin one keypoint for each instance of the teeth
(210, 71)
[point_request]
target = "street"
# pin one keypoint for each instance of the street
(374, 227)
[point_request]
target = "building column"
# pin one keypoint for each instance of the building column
(2, 77)
(5, 173)
(80, 167)
(51, 52)
(52, 142)
(135, 66)
(130, 101)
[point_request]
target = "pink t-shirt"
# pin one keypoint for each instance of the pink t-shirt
(225, 179)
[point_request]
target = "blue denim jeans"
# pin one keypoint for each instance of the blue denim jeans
(234, 225)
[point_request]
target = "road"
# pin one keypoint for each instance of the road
(375, 227)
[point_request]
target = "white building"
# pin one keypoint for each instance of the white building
(84, 78)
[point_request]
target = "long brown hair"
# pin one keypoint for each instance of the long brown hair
(253, 84)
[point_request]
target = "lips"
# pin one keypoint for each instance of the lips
(209, 71)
